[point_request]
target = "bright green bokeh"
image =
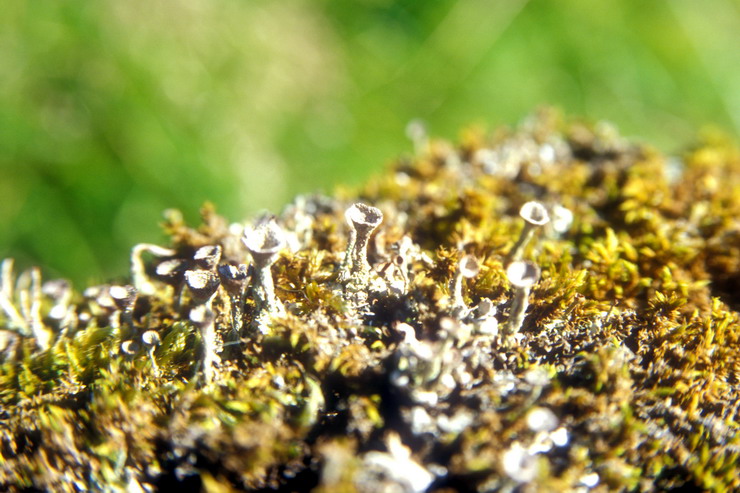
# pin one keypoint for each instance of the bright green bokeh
(112, 111)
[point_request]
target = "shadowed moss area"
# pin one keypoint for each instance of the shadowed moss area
(623, 374)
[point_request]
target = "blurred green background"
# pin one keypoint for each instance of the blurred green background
(112, 111)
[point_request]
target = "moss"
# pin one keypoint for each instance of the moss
(630, 345)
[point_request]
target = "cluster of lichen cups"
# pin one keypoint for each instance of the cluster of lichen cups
(355, 276)
(203, 274)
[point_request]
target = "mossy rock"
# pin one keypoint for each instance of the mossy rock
(623, 374)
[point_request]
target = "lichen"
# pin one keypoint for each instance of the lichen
(623, 374)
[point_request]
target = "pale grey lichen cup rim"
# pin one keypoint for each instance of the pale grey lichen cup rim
(523, 273)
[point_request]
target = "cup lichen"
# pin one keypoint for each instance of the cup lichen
(264, 243)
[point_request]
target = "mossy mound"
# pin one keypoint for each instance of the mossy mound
(624, 374)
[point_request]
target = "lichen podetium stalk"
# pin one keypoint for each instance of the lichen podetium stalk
(535, 216)
(264, 243)
(522, 276)
(363, 220)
